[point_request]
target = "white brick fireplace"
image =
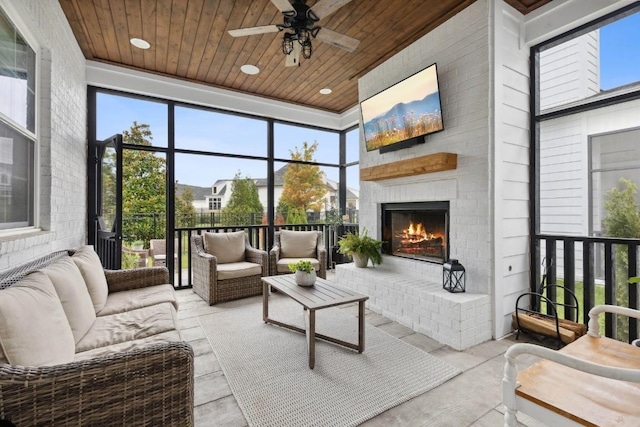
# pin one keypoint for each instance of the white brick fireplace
(410, 291)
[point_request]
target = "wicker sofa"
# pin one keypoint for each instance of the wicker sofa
(227, 267)
(85, 346)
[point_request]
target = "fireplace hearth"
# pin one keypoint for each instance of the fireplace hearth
(416, 230)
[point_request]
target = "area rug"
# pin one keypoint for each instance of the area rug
(268, 372)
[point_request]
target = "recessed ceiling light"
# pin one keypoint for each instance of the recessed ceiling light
(325, 91)
(142, 44)
(250, 69)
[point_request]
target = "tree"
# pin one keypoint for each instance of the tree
(244, 205)
(304, 186)
(185, 212)
(143, 189)
(622, 220)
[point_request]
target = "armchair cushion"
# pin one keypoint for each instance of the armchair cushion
(226, 247)
(73, 294)
(236, 270)
(91, 268)
(298, 244)
(282, 265)
(34, 330)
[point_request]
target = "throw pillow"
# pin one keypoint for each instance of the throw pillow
(34, 331)
(73, 294)
(226, 247)
(90, 266)
(298, 244)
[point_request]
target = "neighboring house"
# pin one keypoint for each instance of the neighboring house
(221, 193)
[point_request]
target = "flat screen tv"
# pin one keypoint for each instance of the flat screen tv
(401, 115)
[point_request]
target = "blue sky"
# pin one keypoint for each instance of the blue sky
(620, 52)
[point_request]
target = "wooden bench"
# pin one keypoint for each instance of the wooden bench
(593, 381)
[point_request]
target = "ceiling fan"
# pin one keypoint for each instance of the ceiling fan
(300, 28)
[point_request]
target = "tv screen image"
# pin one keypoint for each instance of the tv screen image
(405, 111)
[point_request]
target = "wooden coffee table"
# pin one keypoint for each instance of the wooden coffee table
(323, 294)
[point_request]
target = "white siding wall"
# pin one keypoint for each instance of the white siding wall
(511, 163)
(62, 131)
(570, 71)
(460, 47)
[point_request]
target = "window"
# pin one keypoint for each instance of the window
(615, 159)
(17, 128)
(215, 203)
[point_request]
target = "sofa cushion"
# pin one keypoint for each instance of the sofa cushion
(129, 325)
(226, 247)
(34, 330)
(73, 294)
(236, 270)
(91, 268)
(282, 266)
(298, 244)
(163, 337)
(117, 302)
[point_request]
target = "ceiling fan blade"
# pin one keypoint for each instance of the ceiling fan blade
(293, 58)
(240, 32)
(327, 7)
(283, 5)
(339, 40)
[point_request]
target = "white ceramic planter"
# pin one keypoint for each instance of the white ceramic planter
(305, 279)
(360, 260)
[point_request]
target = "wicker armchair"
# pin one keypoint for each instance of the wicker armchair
(207, 281)
(158, 251)
(291, 250)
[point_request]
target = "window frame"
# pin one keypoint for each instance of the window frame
(23, 29)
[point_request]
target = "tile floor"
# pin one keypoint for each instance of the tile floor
(473, 398)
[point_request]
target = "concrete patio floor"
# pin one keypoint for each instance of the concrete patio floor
(473, 398)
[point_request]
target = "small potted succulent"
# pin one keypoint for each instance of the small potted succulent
(305, 274)
(361, 248)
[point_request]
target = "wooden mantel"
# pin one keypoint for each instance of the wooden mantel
(437, 162)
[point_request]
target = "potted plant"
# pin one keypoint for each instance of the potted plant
(361, 248)
(137, 245)
(305, 274)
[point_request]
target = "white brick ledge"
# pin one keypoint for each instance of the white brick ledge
(459, 320)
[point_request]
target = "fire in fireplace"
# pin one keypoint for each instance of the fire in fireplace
(416, 230)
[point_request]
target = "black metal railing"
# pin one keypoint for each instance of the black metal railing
(557, 257)
(258, 237)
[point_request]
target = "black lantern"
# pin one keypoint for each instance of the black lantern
(453, 277)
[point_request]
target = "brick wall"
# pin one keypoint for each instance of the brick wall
(460, 47)
(62, 133)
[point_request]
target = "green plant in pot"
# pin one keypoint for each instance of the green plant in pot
(361, 248)
(305, 273)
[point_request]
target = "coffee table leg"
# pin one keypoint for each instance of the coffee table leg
(310, 323)
(265, 302)
(360, 326)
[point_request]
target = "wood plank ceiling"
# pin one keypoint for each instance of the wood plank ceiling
(189, 40)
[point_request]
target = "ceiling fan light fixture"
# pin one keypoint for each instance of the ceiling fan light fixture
(287, 43)
(140, 43)
(307, 49)
(325, 91)
(250, 69)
